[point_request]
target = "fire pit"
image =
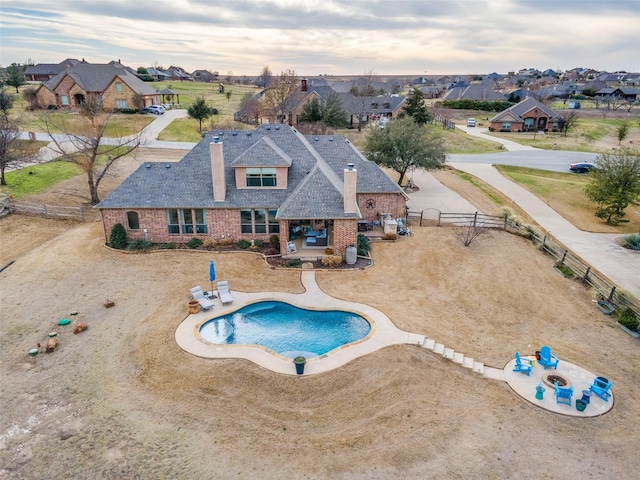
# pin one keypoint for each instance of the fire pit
(549, 378)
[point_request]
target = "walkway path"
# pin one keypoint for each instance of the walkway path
(481, 132)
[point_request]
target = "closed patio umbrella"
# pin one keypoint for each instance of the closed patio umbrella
(212, 275)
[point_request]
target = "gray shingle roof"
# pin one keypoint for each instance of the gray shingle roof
(475, 91)
(519, 109)
(314, 184)
(93, 77)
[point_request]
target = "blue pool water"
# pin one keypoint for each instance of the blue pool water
(285, 329)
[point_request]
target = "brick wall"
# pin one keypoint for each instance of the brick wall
(345, 233)
(392, 203)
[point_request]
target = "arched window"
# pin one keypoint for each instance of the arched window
(134, 222)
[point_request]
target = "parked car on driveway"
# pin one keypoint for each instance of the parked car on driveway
(156, 109)
(471, 122)
(582, 167)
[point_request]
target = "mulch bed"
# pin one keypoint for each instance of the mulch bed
(279, 262)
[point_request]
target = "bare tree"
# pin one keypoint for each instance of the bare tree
(613, 102)
(249, 109)
(570, 121)
(363, 90)
(265, 77)
(283, 95)
(86, 145)
(13, 151)
(470, 232)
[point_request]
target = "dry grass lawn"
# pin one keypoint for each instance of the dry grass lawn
(121, 400)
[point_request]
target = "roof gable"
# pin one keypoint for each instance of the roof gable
(263, 153)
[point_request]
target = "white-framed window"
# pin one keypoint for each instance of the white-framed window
(506, 126)
(64, 99)
(118, 87)
(261, 177)
(121, 104)
(187, 220)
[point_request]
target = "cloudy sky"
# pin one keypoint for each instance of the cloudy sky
(327, 36)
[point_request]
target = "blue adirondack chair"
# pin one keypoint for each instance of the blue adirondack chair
(522, 365)
(563, 394)
(547, 359)
(601, 387)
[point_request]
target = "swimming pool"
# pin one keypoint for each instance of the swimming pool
(286, 329)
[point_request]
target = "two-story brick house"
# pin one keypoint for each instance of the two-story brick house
(254, 184)
(113, 84)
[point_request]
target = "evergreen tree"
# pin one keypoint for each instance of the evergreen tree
(414, 107)
(199, 111)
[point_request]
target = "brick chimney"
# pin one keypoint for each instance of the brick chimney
(350, 203)
(217, 170)
(303, 85)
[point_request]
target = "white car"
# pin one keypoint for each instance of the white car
(471, 122)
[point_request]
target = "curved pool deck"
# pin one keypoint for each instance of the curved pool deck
(383, 332)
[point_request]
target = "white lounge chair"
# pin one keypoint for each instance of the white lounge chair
(223, 292)
(198, 294)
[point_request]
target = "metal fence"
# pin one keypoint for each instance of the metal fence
(563, 256)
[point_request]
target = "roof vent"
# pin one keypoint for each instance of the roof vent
(331, 139)
(268, 127)
(148, 165)
(221, 133)
(168, 165)
(316, 139)
(248, 134)
(277, 127)
(235, 134)
(349, 166)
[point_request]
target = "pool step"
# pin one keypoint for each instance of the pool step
(451, 354)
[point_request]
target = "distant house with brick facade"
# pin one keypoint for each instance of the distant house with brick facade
(527, 116)
(255, 184)
(116, 87)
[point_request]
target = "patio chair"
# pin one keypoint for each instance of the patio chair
(547, 359)
(563, 394)
(223, 292)
(198, 294)
(291, 247)
(522, 365)
(601, 387)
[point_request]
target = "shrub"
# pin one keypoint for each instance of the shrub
(364, 245)
(629, 319)
(118, 237)
(258, 243)
(331, 260)
(293, 263)
(244, 244)
(274, 241)
(52, 107)
(170, 246)
(194, 243)
(209, 243)
(631, 241)
(328, 251)
(140, 245)
(127, 110)
(226, 242)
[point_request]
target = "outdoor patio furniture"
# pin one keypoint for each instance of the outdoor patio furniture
(223, 292)
(547, 359)
(522, 365)
(563, 394)
(291, 247)
(198, 294)
(601, 387)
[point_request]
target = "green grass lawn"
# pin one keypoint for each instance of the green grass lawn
(38, 178)
(564, 192)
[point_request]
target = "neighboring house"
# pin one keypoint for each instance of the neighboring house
(475, 91)
(204, 76)
(158, 75)
(430, 92)
(625, 93)
(367, 107)
(179, 74)
(46, 71)
(254, 184)
(526, 116)
(116, 86)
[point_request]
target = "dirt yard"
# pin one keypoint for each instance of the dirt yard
(122, 400)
